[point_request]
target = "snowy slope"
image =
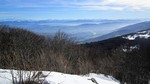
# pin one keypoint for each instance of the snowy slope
(142, 34)
(61, 78)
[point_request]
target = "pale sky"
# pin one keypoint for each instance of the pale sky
(74, 9)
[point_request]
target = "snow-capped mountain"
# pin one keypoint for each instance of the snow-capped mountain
(137, 40)
(122, 31)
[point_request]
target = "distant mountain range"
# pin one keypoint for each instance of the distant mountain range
(80, 29)
(122, 31)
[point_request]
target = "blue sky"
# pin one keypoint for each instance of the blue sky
(74, 9)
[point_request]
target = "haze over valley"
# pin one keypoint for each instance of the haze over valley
(80, 29)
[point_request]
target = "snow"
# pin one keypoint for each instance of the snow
(142, 34)
(146, 36)
(131, 48)
(124, 50)
(61, 78)
(131, 37)
(134, 47)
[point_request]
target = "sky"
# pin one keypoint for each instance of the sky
(74, 9)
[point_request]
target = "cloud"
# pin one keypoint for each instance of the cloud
(129, 4)
(102, 8)
(82, 4)
(110, 4)
(115, 4)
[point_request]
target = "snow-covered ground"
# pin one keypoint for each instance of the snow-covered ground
(61, 78)
(142, 34)
(131, 48)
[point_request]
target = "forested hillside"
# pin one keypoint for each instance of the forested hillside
(127, 60)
